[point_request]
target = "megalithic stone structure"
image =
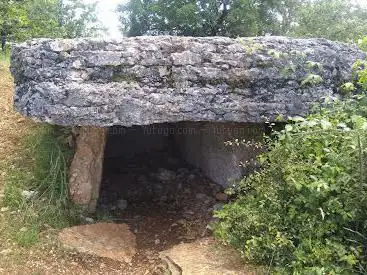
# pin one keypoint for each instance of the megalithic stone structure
(144, 80)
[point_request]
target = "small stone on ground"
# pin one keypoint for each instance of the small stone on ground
(122, 204)
(203, 257)
(221, 196)
(108, 240)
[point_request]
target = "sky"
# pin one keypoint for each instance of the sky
(105, 11)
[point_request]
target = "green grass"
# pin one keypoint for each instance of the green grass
(40, 168)
(5, 58)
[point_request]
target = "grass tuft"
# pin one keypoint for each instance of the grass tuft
(35, 189)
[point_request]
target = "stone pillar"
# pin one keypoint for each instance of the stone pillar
(87, 167)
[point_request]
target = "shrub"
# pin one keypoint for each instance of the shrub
(305, 212)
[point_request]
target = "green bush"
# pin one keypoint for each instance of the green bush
(305, 212)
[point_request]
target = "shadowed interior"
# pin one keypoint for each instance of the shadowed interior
(149, 163)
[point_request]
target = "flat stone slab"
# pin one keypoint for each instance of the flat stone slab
(204, 257)
(108, 240)
(146, 80)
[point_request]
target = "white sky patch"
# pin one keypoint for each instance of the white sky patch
(363, 3)
(107, 15)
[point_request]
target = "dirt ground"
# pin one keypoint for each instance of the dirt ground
(175, 210)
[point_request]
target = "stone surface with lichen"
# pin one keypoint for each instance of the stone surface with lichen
(145, 80)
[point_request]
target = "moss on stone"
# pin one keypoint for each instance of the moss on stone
(312, 80)
(124, 78)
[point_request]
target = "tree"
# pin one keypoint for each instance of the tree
(201, 18)
(77, 19)
(24, 19)
(39, 19)
(333, 19)
(10, 12)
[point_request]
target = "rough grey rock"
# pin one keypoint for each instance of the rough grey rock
(145, 80)
(122, 204)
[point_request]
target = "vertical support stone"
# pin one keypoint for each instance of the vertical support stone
(87, 167)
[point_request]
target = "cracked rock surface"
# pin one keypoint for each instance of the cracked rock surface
(145, 80)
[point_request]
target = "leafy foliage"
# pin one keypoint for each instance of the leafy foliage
(341, 20)
(205, 17)
(360, 73)
(304, 212)
(24, 19)
(333, 19)
(312, 79)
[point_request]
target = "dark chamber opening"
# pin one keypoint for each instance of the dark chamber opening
(170, 162)
(148, 185)
(143, 163)
(156, 178)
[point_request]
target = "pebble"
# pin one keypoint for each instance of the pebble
(221, 196)
(204, 198)
(191, 176)
(201, 196)
(4, 209)
(122, 204)
(157, 241)
(89, 220)
(188, 212)
(165, 174)
(209, 227)
(218, 206)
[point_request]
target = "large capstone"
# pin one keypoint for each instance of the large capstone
(146, 80)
